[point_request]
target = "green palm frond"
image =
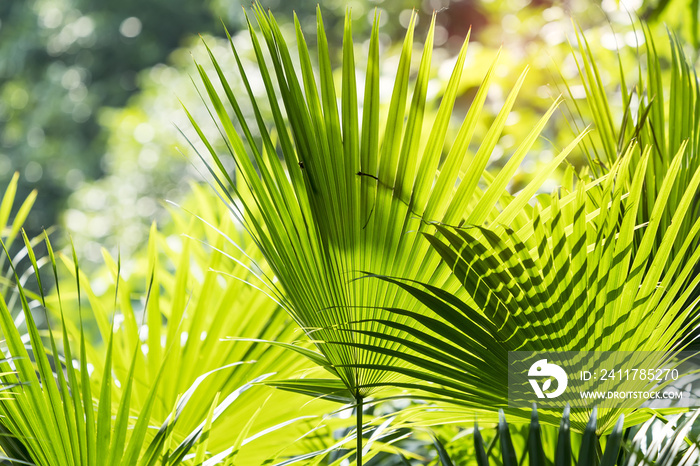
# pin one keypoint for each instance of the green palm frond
(330, 190)
(551, 286)
(10, 227)
(205, 294)
(153, 379)
(660, 109)
(49, 418)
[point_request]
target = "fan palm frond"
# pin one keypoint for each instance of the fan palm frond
(207, 306)
(660, 109)
(153, 380)
(49, 417)
(329, 191)
(10, 228)
(581, 287)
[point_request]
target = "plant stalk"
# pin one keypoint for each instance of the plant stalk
(358, 417)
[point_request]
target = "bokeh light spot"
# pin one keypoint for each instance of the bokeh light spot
(144, 133)
(33, 172)
(130, 27)
(19, 98)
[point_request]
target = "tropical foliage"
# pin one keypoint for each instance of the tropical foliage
(12, 218)
(566, 290)
(148, 368)
(341, 201)
(350, 286)
(621, 448)
(660, 111)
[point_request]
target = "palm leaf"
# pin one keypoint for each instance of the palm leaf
(552, 286)
(338, 196)
(204, 311)
(10, 227)
(110, 402)
(53, 421)
(666, 125)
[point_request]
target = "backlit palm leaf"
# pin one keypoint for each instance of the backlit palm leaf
(660, 109)
(152, 380)
(354, 187)
(582, 287)
(50, 418)
(204, 292)
(9, 230)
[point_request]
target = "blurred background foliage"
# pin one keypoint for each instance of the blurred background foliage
(89, 90)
